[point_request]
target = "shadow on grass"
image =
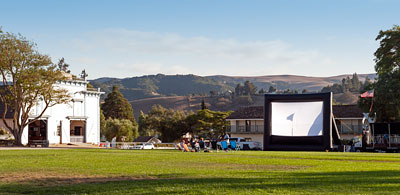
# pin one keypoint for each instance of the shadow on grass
(317, 182)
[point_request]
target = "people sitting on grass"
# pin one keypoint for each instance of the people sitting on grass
(195, 145)
(201, 143)
(182, 146)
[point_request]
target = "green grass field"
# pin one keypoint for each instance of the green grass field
(100, 171)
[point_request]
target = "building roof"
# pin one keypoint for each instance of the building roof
(253, 112)
(347, 111)
(257, 112)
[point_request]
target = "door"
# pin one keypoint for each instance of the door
(37, 130)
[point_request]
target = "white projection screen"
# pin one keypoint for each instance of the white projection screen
(298, 122)
(297, 118)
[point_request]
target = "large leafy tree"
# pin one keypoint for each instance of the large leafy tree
(123, 130)
(168, 123)
(208, 122)
(28, 78)
(171, 124)
(117, 107)
(386, 102)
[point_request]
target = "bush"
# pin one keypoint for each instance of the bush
(3, 131)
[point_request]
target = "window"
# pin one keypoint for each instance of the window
(59, 126)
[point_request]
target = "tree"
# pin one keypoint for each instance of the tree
(102, 122)
(366, 83)
(239, 90)
(171, 124)
(167, 122)
(208, 120)
(144, 125)
(386, 101)
(356, 84)
(28, 79)
(213, 93)
(123, 130)
(62, 66)
(117, 107)
(249, 88)
(271, 89)
(203, 104)
(352, 84)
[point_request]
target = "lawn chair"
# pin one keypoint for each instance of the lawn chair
(179, 147)
(186, 149)
(224, 145)
(235, 146)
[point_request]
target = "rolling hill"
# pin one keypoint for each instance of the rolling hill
(160, 85)
(185, 92)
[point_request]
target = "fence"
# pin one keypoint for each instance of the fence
(131, 145)
(246, 129)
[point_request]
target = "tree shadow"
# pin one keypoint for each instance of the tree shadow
(317, 182)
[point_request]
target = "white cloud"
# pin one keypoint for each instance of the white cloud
(136, 53)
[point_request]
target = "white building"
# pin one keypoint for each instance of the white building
(75, 122)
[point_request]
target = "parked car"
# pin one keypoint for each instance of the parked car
(144, 146)
(245, 144)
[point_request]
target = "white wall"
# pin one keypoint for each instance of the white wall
(92, 111)
(83, 105)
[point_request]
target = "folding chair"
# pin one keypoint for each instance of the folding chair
(224, 145)
(234, 146)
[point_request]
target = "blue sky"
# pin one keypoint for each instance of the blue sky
(241, 38)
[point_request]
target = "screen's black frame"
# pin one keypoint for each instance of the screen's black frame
(299, 143)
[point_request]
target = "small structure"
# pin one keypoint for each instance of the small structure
(247, 122)
(348, 119)
(147, 139)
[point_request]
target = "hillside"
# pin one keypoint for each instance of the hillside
(185, 92)
(282, 82)
(160, 85)
(193, 103)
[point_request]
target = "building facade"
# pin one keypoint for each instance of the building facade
(75, 122)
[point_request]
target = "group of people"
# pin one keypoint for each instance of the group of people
(196, 145)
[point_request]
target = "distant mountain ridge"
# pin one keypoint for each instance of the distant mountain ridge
(160, 85)
(282, 82)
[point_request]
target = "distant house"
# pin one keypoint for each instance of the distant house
(147, 139)
(248, 122)
(348, 120)
(75, 122)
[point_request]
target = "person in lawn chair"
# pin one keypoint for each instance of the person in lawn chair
(182, 146)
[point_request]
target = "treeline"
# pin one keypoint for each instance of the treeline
(117, 120)
(348, 84)
(170, 125)
(248, 89)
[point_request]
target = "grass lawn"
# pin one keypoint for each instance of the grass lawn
(103, 171)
